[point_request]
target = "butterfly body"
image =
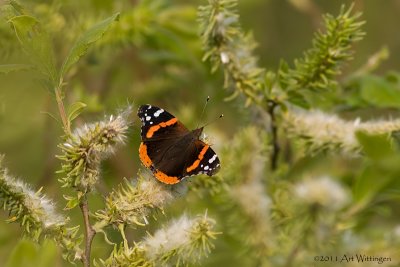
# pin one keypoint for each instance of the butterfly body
(170, 150)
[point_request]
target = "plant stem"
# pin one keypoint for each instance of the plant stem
(61, 110)
(89, 232)
(274, 129)
(121, 228)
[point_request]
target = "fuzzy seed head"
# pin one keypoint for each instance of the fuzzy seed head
(333, 133)
(167, 239)
(32, 209)
(183, 240)
(84, 150)
(132, 203)
(322, 191)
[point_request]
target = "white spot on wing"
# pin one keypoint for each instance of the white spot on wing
(158, 112)
(213, 158)
(148, 118)
(206, 168)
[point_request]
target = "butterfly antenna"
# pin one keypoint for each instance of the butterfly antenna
(214, 120)
(202, 112)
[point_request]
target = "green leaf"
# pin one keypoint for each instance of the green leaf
(13, 67)
(270, 78)
(380, 92)
(297, 99)
(75, 110)
(19, 9)
(37, 44)
(370, 182)
(377, 147)
(381, 150)
(393, 77)
(382, 167)
(283, 71)
(82, 45)
(72, 202)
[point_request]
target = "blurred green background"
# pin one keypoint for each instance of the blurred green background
(153, 55)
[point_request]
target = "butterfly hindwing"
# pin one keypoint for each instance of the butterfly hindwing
(207, 161)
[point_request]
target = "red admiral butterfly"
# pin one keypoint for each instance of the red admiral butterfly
(170, 150)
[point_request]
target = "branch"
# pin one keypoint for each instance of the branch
(274, 138)
(89, 232)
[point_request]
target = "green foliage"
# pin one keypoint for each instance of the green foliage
(75, 110)
(13, 67)
(317, 208)
(36, 43)
(183, 242)
(85, 41)
(321, 63)
(131, 205)
(374, 90)
(31, 209)
(83, 151)
(36, 214)
(227, 46)
(309, 152)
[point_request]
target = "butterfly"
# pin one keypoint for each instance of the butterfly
(170, 150)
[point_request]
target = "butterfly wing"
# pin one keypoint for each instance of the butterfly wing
(186, 160)
(205, 160)
(158, 124)
(160, 132)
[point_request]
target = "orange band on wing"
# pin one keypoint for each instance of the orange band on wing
(165, 178)
(144, 157)
(197, 161)
(157, 127)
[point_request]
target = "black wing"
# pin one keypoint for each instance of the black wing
(153, 117)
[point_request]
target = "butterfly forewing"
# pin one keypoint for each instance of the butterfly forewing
(153, 117)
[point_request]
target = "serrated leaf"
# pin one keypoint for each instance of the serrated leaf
(82, 45)
(75, 110)
(36, 43)
(13, 67)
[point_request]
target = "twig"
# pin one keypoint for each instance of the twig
(274, 129)
(89, 232)
(61, 110)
